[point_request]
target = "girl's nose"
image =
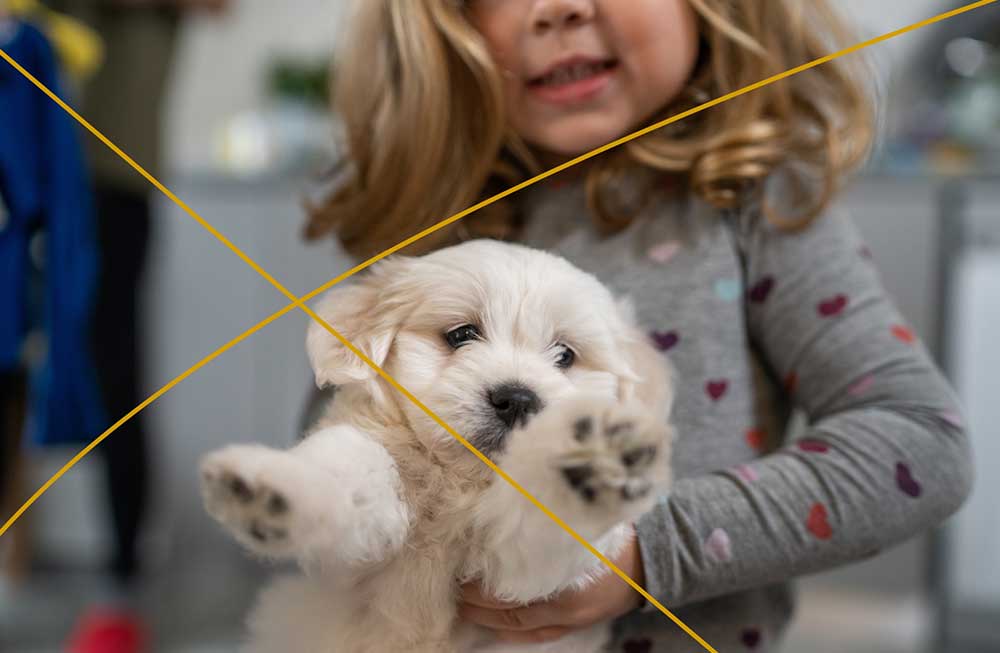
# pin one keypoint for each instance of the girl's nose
(558, 14)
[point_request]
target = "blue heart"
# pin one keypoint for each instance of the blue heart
(728, 290)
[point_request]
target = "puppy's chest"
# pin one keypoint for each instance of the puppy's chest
(442, 499)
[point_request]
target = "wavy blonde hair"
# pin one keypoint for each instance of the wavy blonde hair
(425, 135)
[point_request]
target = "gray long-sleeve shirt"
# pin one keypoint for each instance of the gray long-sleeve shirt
(757, 321)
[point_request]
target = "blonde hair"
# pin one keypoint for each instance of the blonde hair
(425, 135)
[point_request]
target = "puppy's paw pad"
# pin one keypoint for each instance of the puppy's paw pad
(251, 507)
(614, 453)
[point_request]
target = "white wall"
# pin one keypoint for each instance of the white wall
(220, 60)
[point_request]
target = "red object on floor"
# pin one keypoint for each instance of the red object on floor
(108, 631)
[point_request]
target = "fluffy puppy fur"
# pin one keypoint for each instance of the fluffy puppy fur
(530, 359)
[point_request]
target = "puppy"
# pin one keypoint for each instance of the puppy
(536, 365)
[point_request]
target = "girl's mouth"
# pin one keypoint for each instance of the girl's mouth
(574, 81)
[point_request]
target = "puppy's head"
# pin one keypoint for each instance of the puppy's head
(486, 335)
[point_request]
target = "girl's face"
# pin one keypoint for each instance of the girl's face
(581, 73)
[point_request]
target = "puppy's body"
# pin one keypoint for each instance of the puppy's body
(386, 512)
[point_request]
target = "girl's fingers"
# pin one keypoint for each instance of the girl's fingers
(518, 619)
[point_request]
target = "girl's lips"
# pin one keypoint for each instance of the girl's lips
(574, 92)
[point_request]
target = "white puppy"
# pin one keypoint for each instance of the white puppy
(521, 353)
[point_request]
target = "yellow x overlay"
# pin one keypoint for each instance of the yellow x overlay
(299, 302)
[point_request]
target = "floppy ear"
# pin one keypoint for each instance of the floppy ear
(354, 312)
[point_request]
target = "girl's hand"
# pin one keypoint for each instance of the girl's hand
(609, 597)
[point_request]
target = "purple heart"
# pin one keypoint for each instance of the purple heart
(906, 482)
(761, 290)
(716, 389)
(813, 446)
(638, 646)
(665, 341)
(750, 637)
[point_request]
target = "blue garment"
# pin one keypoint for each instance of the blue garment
(44, 185)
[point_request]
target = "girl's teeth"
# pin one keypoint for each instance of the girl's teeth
(574, 73)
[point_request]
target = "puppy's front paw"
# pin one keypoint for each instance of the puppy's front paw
(243, 487)
(595, 462)
(613, 457)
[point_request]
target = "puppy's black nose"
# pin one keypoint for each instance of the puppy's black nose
(514, 402)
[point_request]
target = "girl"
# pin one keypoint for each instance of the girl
(718, 229)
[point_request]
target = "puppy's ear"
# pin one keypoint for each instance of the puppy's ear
(357, 312)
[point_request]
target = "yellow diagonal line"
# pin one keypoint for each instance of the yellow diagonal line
(298, 302)
(135, 411)
(151, 179)
(642, 132)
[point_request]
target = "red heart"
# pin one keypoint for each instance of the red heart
(756, 438)
(638, 646)
(813, 446)
(833, 306)
(903, 334)
(716, 389)
(817, 523)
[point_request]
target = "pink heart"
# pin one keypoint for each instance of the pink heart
(813, 446)
(665, 341)
(833, 306)
(747, 473)
(861, 386)
(718, 546)
(663, 252)
(716, 389)
(750, 637)
(905, 481)
(952, 418)
(761, 290)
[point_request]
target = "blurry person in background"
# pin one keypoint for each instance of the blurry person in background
(124, 100)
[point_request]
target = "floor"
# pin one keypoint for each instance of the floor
(34, 618)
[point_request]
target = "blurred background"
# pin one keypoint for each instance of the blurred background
(240, 133)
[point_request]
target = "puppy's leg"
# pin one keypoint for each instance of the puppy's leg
(597, 465)
(332, 499)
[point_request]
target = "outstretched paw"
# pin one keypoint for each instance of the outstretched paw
(614, 454)
(239, 494)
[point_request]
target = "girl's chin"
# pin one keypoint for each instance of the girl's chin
(556, 153)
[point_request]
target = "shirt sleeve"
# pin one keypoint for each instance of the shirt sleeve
(884, 458)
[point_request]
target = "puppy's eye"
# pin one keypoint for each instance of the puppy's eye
(566, 357)
(462, 335)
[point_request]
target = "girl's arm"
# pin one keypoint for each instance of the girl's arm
(885, 457)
